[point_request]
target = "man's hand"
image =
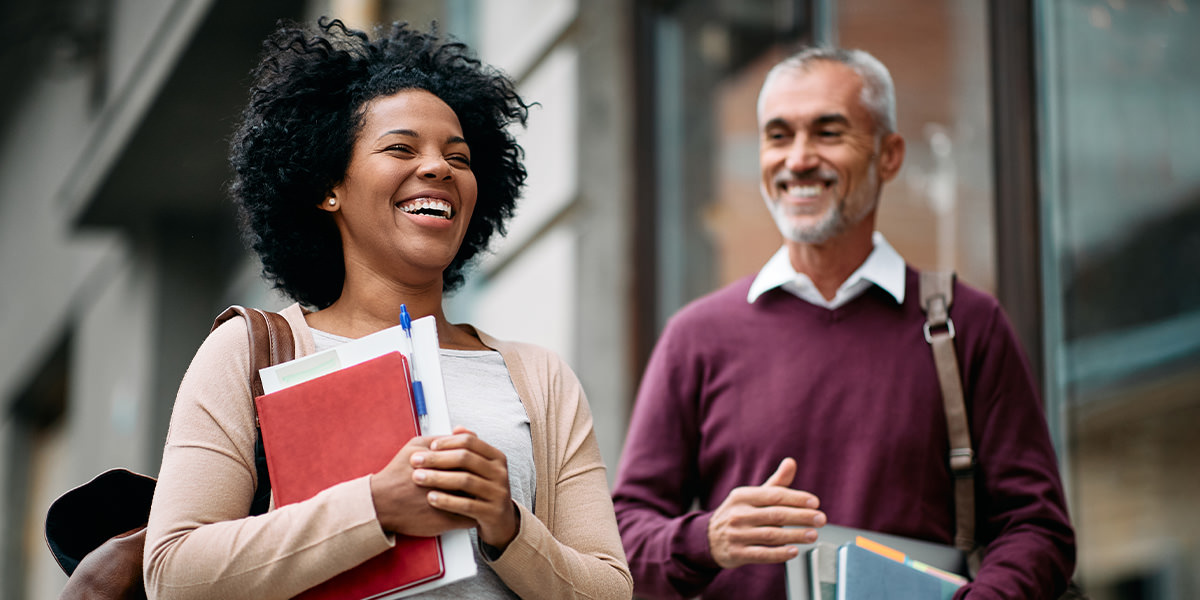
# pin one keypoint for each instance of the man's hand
(749, 526)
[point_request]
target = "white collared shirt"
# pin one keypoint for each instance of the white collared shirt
(884, 267)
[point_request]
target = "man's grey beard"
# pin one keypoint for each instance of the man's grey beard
(833, 222)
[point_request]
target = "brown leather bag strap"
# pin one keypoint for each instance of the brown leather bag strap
(271, 342)
(937, 293)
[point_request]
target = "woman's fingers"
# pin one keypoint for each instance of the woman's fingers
(463, 451)
(466, 476)
(463, 438)
(401, 505)
(461, 459)
(496, 522)
(462, 483)
(463, 473)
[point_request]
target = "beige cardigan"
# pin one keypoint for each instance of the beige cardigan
(201, 544)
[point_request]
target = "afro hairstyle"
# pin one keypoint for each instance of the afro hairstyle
(307, 104)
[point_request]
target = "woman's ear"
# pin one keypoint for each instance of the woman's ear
(330, 204)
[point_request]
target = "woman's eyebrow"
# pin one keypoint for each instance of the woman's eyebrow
(454, 139)
(404, 132)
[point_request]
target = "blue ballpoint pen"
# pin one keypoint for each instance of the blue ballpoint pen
(417, 390)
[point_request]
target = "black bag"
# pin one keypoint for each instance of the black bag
(97, 531)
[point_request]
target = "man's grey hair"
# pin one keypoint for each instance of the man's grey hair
(878, 93)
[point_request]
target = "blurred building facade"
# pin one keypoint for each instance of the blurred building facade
(1052, 160)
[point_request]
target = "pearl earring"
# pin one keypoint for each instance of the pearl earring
(333, 201)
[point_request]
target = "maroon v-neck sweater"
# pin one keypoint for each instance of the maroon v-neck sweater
(852, 394)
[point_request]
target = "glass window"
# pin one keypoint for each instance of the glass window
(938, 213)
(709, 59)
(1121, 219)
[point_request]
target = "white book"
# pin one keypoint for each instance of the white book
(457, 553)
(822, 572)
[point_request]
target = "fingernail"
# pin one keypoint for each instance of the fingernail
(434, 497)
(419, 476)
(418, 459)
(810, 535)
(819, 520)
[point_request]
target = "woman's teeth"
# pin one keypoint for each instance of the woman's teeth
(428, 207)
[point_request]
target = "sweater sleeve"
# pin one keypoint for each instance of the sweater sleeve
(1021, 511)
(572, 549)
(200, 542)
(667, 543)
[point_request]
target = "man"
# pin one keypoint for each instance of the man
(808, 394)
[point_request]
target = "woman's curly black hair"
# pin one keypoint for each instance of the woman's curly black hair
(306, 109)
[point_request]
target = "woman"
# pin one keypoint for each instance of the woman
(369, 172)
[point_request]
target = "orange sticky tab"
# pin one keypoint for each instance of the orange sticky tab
(879, 549)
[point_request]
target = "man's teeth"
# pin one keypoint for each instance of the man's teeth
(804, 191)
(429, 207)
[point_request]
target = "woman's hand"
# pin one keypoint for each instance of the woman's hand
(466, 476)
(401, 505)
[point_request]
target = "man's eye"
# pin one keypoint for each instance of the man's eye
(829, 133)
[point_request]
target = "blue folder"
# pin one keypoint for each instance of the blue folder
(865, 575)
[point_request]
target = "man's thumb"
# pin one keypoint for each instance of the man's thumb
(784, 475)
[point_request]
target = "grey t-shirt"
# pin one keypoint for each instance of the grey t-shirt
(480, 396)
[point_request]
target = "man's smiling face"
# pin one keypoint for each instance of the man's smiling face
(819, 152)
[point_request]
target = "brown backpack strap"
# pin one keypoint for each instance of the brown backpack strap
(271, 342)
(937, 293)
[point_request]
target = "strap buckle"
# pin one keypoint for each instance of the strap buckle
(962, 462)
(928, 327)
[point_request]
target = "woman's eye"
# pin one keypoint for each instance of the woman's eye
(459, 159)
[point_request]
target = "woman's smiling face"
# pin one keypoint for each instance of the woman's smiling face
(409, 192)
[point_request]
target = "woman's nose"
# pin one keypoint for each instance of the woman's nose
(435, 168)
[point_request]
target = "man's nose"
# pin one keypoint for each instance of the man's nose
(802, 156)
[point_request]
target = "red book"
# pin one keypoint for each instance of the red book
(339, 427)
